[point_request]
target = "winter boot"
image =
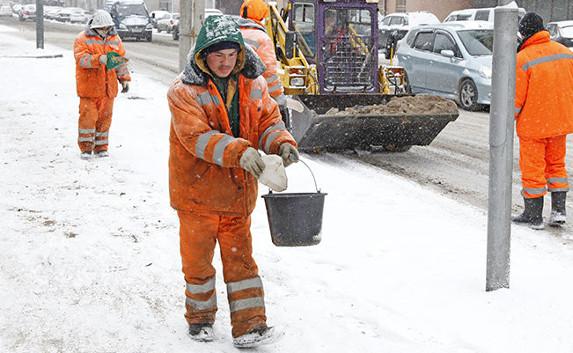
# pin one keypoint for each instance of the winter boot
(86, 155)
(201, 332)
(102, 154)
(558, 214)
(256, 337)
(532, 214)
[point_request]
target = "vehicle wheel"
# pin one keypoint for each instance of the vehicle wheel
(468, 95)
(175, 35)
(148, 37)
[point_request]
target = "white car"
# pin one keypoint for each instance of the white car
(27, 12)
(561, 32)
(483, 14)
(78, 16)
(395, 26)
(167, 22)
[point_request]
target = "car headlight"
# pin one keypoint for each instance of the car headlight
(297, 81)
(122, 26)
(485, 72)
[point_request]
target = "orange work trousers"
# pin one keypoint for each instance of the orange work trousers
(199, 234)
(94, 123)
(542, 163)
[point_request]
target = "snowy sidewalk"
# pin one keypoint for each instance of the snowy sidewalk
(90, 260)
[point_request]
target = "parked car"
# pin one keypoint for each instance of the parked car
(51, 12)
(562, 32)
(64, 14)
(132, 19)
(5, 10)
(453, 60)
(208, 12)
(78, 15)
(395, 26)
(167, 22)
(482, 14)
(27, 12)
(158, 15)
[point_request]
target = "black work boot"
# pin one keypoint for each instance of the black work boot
(532, 214)
(201, 332)
(558, 213)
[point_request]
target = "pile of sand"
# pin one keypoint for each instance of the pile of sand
(415, 105)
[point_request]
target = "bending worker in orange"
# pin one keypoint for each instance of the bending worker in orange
(544, 113)
(253, 13)
(221, 114)
(100, 64)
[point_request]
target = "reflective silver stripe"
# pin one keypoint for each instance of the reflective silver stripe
(270, 140)
(252, 43)
(211, 303)
(86, 61)
(215, 100)
(101, 142)
(278, 126)
(204, 98)
(546, 60)
(558, 189)
(537, 191)
(242, 304)
(113, 42)
(99, 134)
(201, 288)
(256, 93)
(244, 284)
(86, 139)
(557, 180)
(517, 110)
(87, 131)
(274, 88)
(93, 41)
(220, 149)
(272, 79)
(202, 142)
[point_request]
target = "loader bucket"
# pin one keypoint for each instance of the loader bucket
(317, 132)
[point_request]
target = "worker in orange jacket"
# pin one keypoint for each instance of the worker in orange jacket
(100, 64)
(253, 13)
(221, 115)
(544, 113)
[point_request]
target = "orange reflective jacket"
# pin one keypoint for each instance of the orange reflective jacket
(256, 36)
(544, 88)
(204, 171)
(93, 80)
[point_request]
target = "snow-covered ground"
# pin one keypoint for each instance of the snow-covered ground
(90, 261)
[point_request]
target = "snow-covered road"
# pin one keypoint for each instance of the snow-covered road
(90, 260)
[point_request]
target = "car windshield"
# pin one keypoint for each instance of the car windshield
(567, 31)
(477, 42)
(132, 10)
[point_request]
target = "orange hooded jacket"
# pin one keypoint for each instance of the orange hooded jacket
(204, 171)
(544, 88)
(93, 80)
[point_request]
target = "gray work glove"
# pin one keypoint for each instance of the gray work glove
(103, 59)
(124, 86)
(288, 153)
(252, 162)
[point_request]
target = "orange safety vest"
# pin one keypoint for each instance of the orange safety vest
(93, 80)
(544, 88)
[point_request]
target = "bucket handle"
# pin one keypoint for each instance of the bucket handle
(311, 173)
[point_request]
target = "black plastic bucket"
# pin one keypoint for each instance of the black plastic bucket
(295, 219)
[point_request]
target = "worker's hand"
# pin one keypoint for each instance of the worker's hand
(103, 59)
(252, 162)
(124, 86)
(288, 153)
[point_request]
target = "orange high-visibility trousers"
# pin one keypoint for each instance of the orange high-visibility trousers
(542, 163)
(198, 236)
(94, 123)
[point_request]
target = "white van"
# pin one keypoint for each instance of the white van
(483, 14)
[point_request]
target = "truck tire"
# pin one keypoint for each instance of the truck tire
(468, 95)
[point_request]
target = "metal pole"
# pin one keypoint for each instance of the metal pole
(190, 22)
(39, 24)
(501, 148)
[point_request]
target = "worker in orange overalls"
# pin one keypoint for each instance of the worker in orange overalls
(100, 64)
(221, 115)
(253, 13)
(544, 114)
